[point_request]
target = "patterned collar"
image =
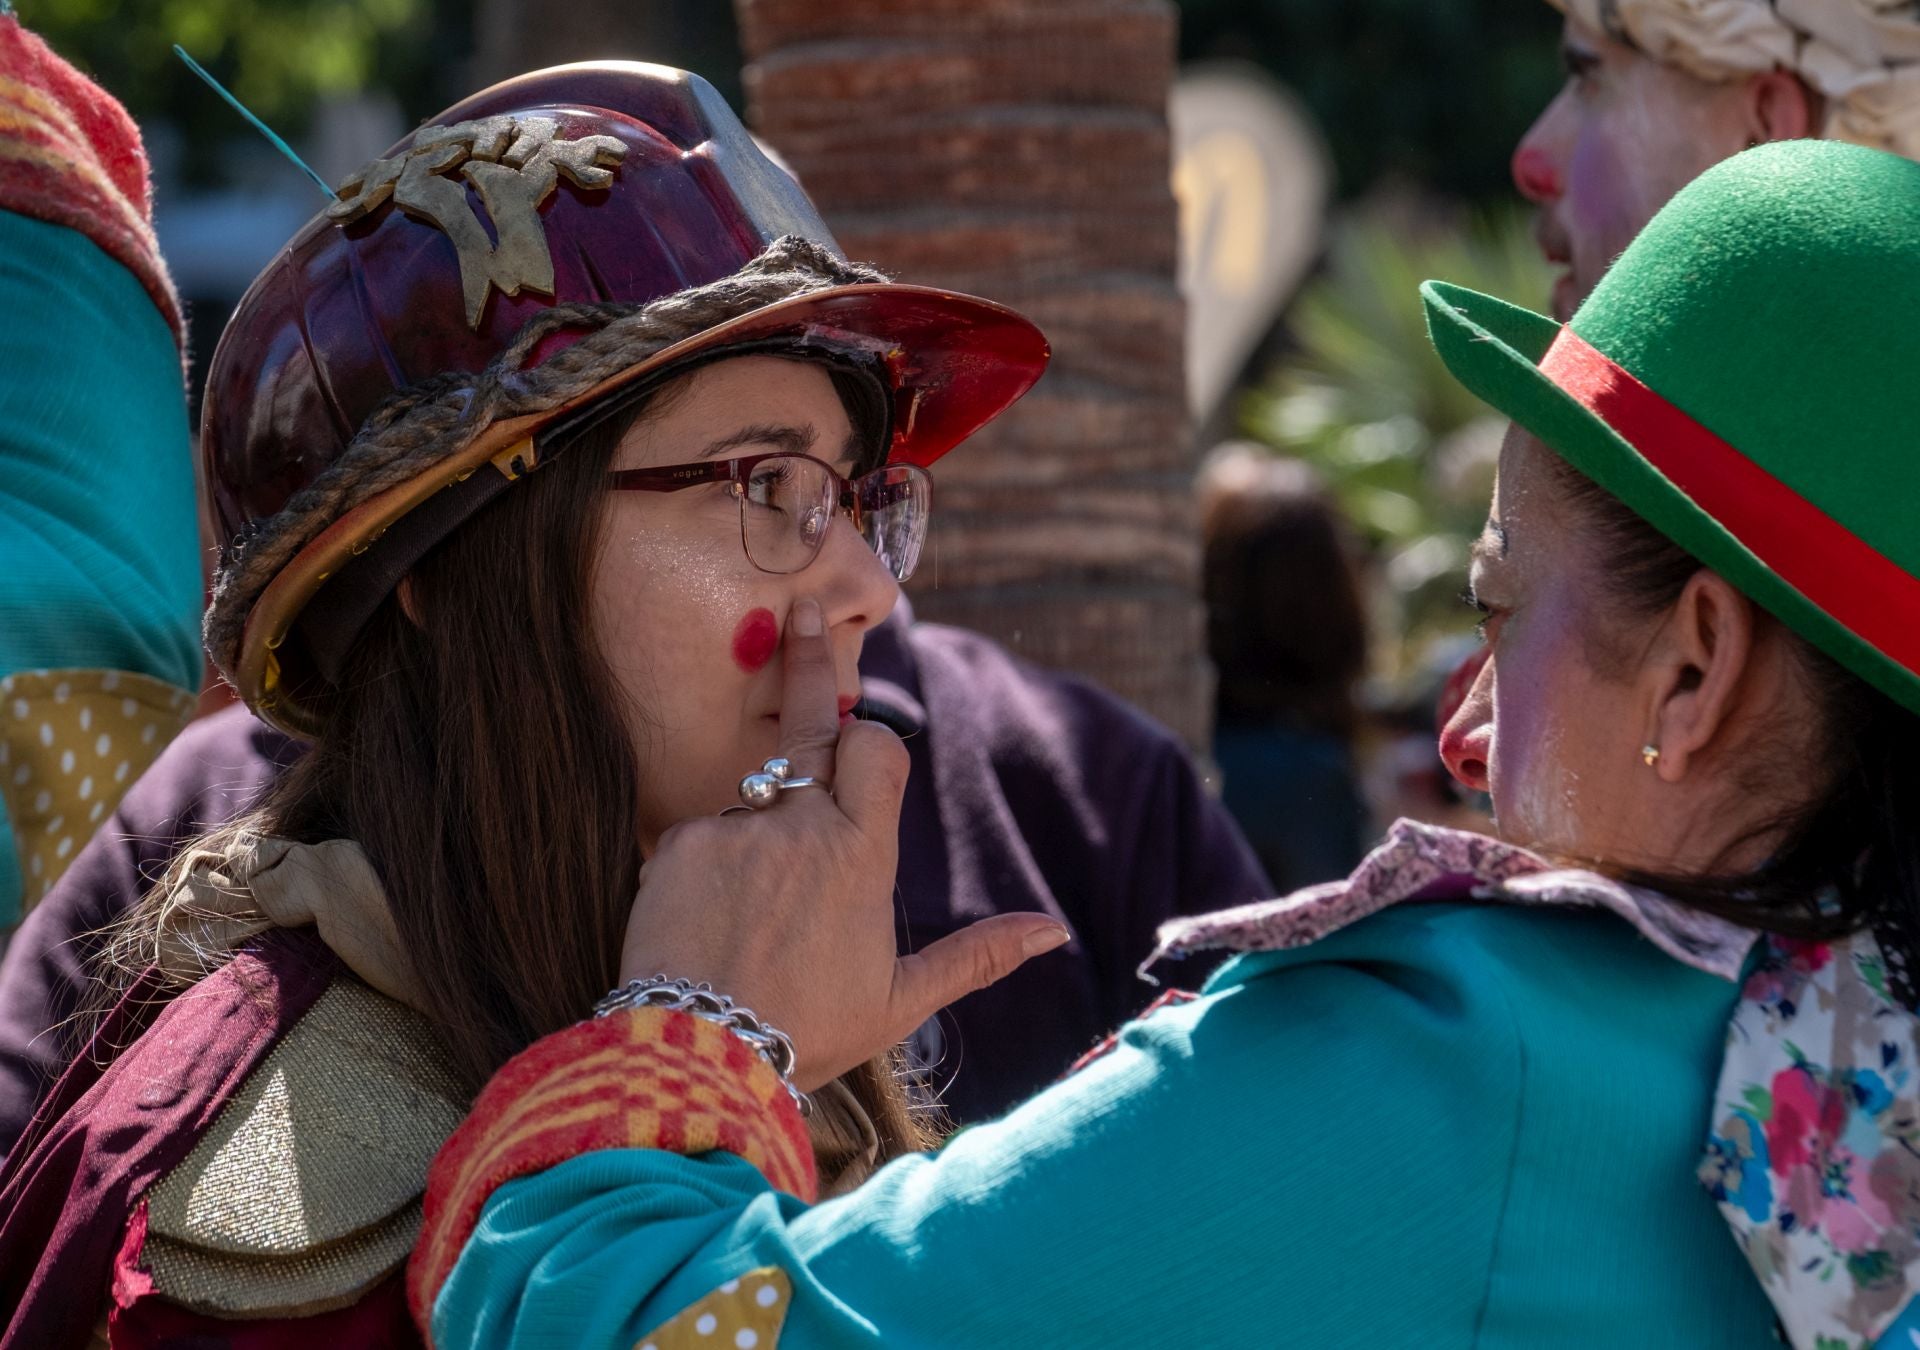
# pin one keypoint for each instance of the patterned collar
(1426, 863)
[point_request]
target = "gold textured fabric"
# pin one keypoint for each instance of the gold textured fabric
(71, 744)
(311, 1282)
(305, 1192)
(1863, 56)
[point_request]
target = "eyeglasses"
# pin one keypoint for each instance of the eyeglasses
(788, 502)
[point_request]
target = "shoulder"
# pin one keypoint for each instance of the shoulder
(305, 1192)
(1397, 992)
(1264, 1120)
(1531, 961)
(207, 774)
(1560, 1017)
(1508, 1034)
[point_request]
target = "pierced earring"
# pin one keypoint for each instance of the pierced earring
(1651, 754)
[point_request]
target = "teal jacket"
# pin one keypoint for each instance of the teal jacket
(1445, 1126)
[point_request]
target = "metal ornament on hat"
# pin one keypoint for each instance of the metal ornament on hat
(514, 163)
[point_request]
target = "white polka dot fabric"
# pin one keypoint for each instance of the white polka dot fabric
(71, 743)
(742, 1314)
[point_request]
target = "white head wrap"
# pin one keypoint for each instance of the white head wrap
(1863, 56)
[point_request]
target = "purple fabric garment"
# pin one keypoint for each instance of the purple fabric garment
(1034, 791)
(1030, 791)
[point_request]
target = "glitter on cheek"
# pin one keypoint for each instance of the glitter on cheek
(755, 640)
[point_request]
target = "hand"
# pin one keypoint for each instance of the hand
(789, 910)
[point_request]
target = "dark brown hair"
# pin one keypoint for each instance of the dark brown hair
(477, 749)
(1847, 858)
(1286, 622)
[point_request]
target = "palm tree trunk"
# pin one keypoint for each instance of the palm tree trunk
(1018, 149)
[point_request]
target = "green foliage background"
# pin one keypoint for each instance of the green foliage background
(1362, 396)
(1433, 92)
(281, 57)
(1421, 105)
(1406, 90)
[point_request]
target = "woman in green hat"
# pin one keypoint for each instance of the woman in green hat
(1507, 1092)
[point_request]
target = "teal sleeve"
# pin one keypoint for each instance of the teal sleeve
(1279, 1153)
(99, 537)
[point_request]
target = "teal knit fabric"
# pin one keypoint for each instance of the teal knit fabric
(1447, 1126)
(99, 544)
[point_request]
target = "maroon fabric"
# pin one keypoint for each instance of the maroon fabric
(71, 1187)
(143, 1320)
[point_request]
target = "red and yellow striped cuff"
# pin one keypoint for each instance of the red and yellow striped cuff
(643, 1078)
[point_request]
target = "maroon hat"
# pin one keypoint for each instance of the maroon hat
(596, 185)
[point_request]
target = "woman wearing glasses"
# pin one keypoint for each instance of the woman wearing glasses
(540, 462)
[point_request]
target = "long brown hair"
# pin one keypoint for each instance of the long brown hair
(478, 751)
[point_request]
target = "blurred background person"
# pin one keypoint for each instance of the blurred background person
(99, 606)
(1287, 632)
(1658, 91)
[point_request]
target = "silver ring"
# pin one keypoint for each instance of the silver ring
(762, 789)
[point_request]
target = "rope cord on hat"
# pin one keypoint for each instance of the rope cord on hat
(437, 417)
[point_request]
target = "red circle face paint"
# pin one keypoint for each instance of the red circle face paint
(755, 640)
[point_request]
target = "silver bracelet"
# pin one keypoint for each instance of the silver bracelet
(657, 991)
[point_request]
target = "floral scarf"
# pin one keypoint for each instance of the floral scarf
(1813, 1150)
(1814, 1155)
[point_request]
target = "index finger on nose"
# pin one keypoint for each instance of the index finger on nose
(809, 697)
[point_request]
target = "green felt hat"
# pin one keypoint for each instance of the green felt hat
(1746, 378)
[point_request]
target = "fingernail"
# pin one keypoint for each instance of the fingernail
(1044, 940)
(806, 618)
